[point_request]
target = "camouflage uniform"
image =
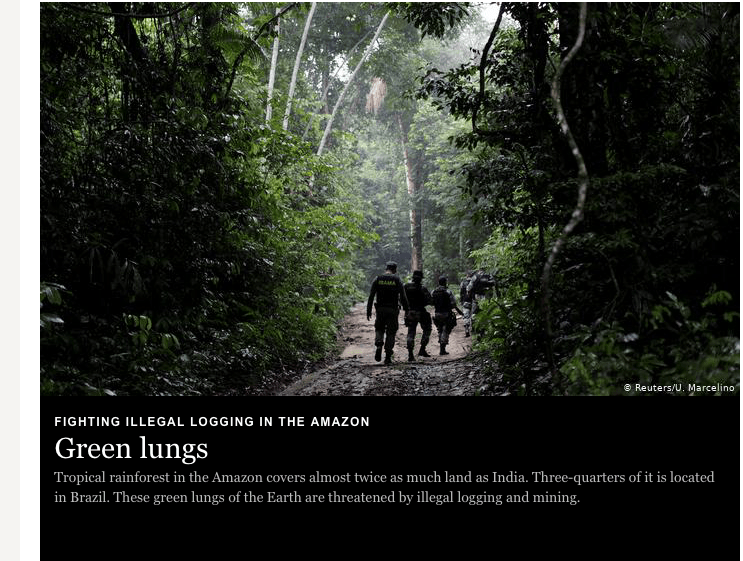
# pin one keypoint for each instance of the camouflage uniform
(466, 300)
(444, 318)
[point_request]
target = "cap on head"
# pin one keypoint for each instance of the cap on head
(442, 280)
(417, 275)
(392, 266)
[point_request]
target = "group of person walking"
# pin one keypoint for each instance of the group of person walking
(413, 297)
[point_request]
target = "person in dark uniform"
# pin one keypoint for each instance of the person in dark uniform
(444, 318)
(390, 294)
(418, 298)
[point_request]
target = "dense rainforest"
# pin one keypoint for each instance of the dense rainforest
(220, 182)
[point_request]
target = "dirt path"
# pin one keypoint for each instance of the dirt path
(355, 372)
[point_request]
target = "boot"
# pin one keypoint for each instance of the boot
(423, 352)
(443, 350)
(411, 358)
(388, 357)
(378, 354)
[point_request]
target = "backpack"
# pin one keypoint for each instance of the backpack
(441, 301)
(481, 284)
(417, 296)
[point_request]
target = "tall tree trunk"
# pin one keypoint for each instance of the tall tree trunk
(272, 73)
(133, 73)
(214, 66)
(297, 62)
(416, 232)
(325, 86)
(348, 83)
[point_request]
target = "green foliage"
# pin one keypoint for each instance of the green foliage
(676, 349)
(189, 248)
(433, 18)
(508, 324)
(639, 98)
(51, 295)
